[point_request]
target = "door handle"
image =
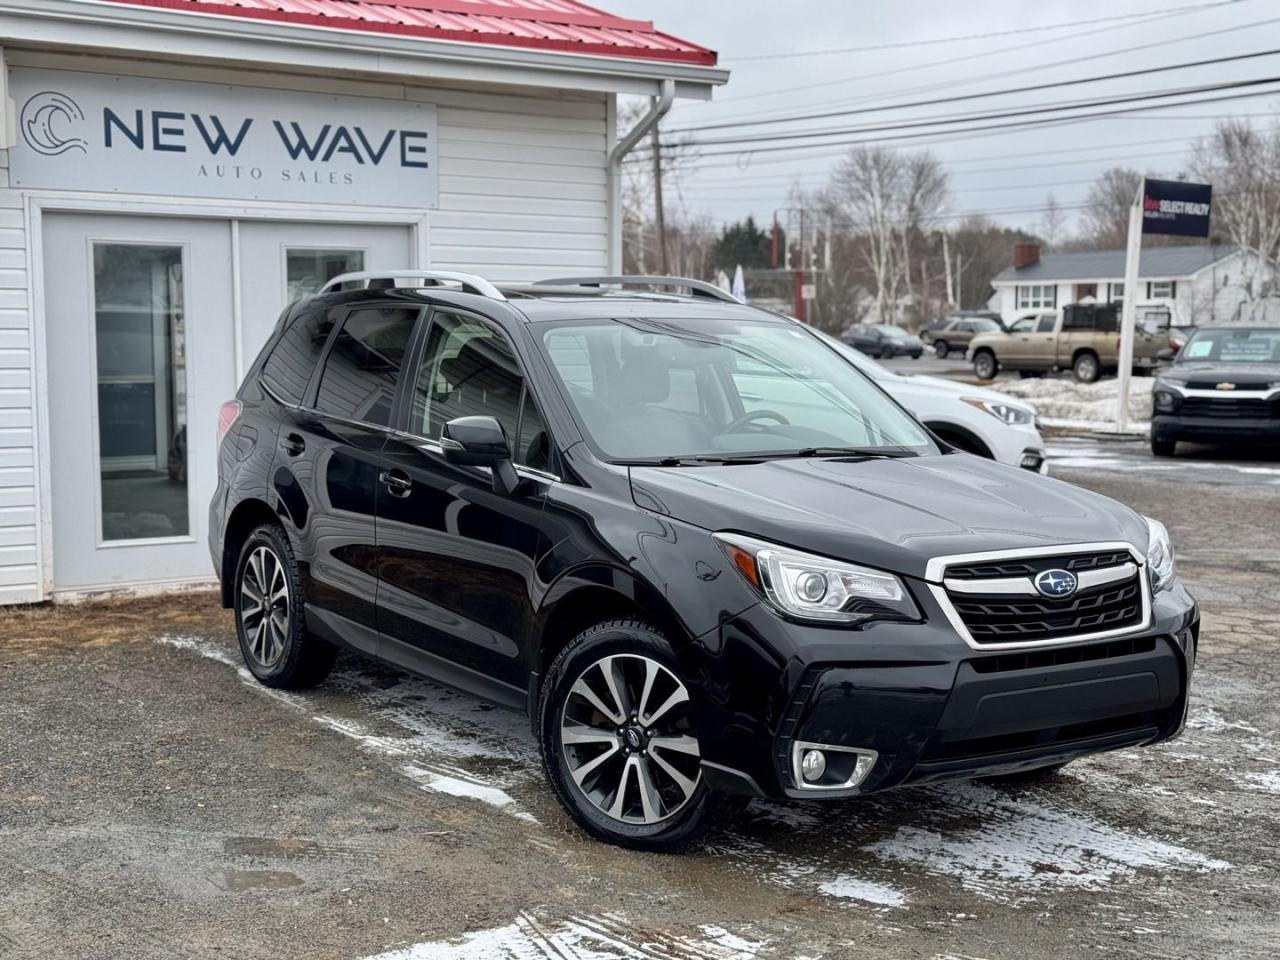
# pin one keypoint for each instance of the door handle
(397, 482)
(293, 444)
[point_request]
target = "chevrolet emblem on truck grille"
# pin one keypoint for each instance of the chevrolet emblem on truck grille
(1226, 386)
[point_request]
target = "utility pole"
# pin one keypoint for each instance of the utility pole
(1129, 310)
(660, 219)
(951, 283)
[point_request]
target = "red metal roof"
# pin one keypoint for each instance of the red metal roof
(559, 25)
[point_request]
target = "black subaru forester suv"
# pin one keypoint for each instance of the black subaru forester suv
(707, 555)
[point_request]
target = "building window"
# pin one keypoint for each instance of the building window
(1162, 289)
(1115, 292)
(308, 269)
(1031, 296)
(139, 310)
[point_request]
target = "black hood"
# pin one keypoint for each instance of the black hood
(894, 514)
(1208, 374)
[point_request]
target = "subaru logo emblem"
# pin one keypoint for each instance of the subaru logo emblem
(1056, 583)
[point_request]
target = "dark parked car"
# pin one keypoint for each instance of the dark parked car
(953, 333)
(881, 340)
(706, 554)
(1224, 387)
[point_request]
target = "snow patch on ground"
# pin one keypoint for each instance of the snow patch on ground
(581, 938)
(424, 742)
(1209, 720)
(1269, 781)
(1084, 406)
(851, 888)
(1021, 847)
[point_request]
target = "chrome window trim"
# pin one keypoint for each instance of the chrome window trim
(937, 566)
(433, 446)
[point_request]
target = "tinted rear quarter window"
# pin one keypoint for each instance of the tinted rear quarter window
(293, 359)
(363, 367)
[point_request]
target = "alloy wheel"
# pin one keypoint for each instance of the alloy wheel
(626, 730)
(264, 606)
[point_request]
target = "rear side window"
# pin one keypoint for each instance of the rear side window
(1045, 325)
(363, 368)
(288, 370)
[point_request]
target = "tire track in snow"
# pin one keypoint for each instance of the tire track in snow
(423, 749)
(604, 937)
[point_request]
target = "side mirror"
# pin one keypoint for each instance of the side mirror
(1168, 353)
(481, 442)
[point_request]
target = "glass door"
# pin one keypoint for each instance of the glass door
(139, 355)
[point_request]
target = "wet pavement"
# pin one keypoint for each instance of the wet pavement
(155, 802)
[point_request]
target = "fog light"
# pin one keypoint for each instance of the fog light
(813, 766)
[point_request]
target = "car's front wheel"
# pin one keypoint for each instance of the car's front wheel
(940, 349)
(618, 740)
(268, 609)
(984, 365)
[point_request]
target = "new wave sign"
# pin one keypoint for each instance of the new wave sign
(1175, 207)
(79, 131)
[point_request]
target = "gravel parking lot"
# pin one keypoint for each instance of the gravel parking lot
(156, 803)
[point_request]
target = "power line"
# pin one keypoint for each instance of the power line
(941, 137)
(986, 54)
(973, 36)
(1189, 65)
(954, 118)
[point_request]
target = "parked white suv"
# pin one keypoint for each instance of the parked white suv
(973, 419)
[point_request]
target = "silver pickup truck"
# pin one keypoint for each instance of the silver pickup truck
(1083, 338)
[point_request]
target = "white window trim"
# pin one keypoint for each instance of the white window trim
(37, 202)
(1035, 296)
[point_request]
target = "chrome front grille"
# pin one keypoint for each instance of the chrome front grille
(992, 601)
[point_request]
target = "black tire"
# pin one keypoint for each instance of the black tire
(1085, 368)
(296, 659)
(1035, 775)
(693, 817)
(985, 366)
(941, 349)
(1163, 448)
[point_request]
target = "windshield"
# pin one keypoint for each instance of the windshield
(1233, 346)
(649, 390)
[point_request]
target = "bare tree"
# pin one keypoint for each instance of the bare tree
(888, 200)
(1053, 222)
(1106, 211)
(1243, 165)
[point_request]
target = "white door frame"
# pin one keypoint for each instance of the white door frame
(37, 202)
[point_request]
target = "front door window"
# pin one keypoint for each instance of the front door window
(141, 390)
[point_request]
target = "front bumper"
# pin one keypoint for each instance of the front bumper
(931, 708)
(1172, 426)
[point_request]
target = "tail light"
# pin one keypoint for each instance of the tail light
(227, 416)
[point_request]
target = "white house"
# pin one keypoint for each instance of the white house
(1196, 284)
(173, 172)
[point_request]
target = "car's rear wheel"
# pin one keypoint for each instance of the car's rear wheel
(984, 365)
(941, 349)
(268, 610)
(618, 742)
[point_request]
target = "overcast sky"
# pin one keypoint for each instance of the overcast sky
(987, 173)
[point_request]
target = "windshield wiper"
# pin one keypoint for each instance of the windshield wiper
(886, 452)
(688, 461)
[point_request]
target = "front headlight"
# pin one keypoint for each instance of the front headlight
(1008, 412)
(808, 587)
(1164, 396)
(1159, 556)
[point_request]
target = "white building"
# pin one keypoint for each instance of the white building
(1195, 284)
(177, 171)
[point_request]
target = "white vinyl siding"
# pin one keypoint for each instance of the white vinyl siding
(19, 543)
(523, 196)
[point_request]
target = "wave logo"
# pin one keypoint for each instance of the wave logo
(48, 123)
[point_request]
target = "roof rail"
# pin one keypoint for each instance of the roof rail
(697, 288)
(389, 280)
